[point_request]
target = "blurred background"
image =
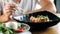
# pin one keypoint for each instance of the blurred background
(57, 3)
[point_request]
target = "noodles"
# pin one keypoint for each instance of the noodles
(39, 18)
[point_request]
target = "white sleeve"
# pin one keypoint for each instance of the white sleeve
(37, 5)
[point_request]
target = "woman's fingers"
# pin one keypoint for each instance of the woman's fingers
(8, 9)
(10, 5)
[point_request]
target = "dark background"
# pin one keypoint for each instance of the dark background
(57, 3)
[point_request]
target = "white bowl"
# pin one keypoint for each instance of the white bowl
(15, 25)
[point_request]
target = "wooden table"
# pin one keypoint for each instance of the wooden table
(52, 30)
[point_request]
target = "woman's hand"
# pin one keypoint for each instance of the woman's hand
(8, 9)
(7, 12)
(4, 18)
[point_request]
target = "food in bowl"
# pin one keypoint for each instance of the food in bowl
(23, 27)
(39, 18)
(10, 28)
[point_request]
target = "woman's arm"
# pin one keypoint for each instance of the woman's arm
(46, 5)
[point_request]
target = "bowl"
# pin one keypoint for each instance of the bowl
(18, 27)
(43, 25)
(27, 27)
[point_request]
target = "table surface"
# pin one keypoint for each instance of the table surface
(52, 30)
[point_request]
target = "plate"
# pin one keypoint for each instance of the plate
(14, 25)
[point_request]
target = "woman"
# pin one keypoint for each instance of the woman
(29, 5)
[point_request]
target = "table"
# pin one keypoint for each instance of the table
(52, 30)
